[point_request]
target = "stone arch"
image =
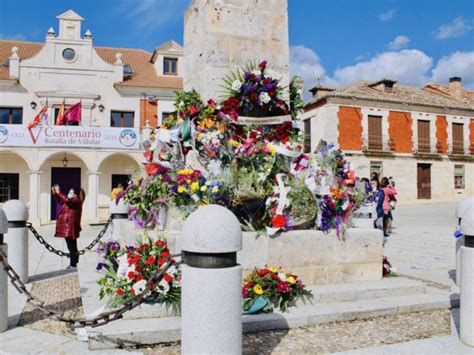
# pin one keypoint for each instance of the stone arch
(16, 162)
(135, 157)
(21, 155)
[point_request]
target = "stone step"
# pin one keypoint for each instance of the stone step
(387, 287)
(147, 331)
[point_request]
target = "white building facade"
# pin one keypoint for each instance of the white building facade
(124, 93)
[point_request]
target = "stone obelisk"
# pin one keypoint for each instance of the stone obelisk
(224, 35)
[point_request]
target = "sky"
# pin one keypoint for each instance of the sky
(337, 41)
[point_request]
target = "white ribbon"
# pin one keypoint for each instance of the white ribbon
(272, 120)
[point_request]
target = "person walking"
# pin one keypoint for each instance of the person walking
(68, 223)
(377, 198)
(389, 196)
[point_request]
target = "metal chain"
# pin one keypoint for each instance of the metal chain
(99, 320)
(61, 253)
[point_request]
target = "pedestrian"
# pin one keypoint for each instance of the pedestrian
(389, 196)
(377, 198)
(68, 223)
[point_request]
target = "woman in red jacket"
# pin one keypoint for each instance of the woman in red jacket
(68, 223)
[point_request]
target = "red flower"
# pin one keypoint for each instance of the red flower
(131, 275)
(161, 261)
(271, 94)
(283, 287)
(148, 155)
(132, 292)
(253, 97)
(263, 65)
(192, 110)
(119, 292)
(150, 260)
(245, 293)
(138, 278)
(279, 221)
(151, 169)
(167, 278)
(165, 253)
(249, 284)
(160, 243)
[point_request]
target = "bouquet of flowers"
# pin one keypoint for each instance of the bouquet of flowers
(269, 288)
(129, 274)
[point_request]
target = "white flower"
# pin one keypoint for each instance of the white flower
(256, 72)
(236, 85)
(282, 276)
(163, 287)
(139, 287)
(300, 92)
(264, 97)
(181, 103)
(271, 74)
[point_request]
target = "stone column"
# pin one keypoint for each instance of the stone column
(223, 35)
(34, 196)
(91, 197)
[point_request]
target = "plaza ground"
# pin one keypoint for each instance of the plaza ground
(421, 246)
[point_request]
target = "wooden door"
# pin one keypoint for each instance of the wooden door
(458, 138)
(424, 181)
(375, 133)
(423, 136)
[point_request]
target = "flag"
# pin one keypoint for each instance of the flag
(73, 114)
(60, 118)
(42, 116)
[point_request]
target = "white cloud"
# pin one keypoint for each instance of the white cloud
(406, 66)
(399, 42)
(456, 28)
(456, 64)
(388, 15)
(305, 63)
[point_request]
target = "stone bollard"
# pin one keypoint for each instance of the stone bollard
(17, 237)
(467, 279)
(3, 276)
(119, 214)
(463, 206)
(211, 301)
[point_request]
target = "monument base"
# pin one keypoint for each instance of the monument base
(316, 257)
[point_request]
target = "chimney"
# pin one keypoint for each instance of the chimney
(455, 87)
(385, 85)
(320, 91)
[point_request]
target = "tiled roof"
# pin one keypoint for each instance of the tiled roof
(144, 73)
(466, 95)
(364, 90)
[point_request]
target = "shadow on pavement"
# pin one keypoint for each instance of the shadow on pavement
(50, 275)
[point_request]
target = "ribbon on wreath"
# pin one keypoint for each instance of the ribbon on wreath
(281, 204)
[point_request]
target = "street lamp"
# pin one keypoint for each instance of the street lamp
(101, 108)
(65, 161)
(33, 105)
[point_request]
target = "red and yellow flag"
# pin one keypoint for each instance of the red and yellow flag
(60, 118)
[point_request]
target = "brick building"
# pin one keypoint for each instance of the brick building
(422, 137)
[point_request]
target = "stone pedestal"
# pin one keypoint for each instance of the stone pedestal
(223, 35)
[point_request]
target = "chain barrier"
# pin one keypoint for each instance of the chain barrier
(96, 321)
(61, 253)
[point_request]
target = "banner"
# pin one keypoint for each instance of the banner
(12, 135)
(248, 121)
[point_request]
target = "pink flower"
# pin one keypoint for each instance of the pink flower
(283, 287)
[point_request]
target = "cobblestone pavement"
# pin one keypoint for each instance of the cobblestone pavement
(61, 294)
(340, 336)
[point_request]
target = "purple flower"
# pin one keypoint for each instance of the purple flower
(99, 266)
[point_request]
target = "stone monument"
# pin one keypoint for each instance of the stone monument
(223, 35)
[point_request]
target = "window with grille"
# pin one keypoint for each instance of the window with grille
(459, 176)
(424, 136)
(375, 133)
(458, 138)
(11, 115)
(9, 187)
(170, 66)
(121, 119)
(307, 135)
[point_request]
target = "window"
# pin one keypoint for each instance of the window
(307, 135)
(127, 70)
(170, 66)
(56, 112)
(424, 136)
(120, 179)
(121, 119)
(10, 115)
(458, 138)
(375, 133)
(459, 176)
(9, 187)
(69, 54)
(376, 167)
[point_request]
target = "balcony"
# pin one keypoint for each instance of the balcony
(44, 136)
(424, 148)
(461, 150)
(377, 145)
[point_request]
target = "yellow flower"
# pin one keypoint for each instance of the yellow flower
(234, 143)
(207, 123)
(194, 186)
(185, 171)
(273, 269)
(215, 189)
(258, 290)
(271, 149)
(182, 189)
(291, 280)
(203, 188)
